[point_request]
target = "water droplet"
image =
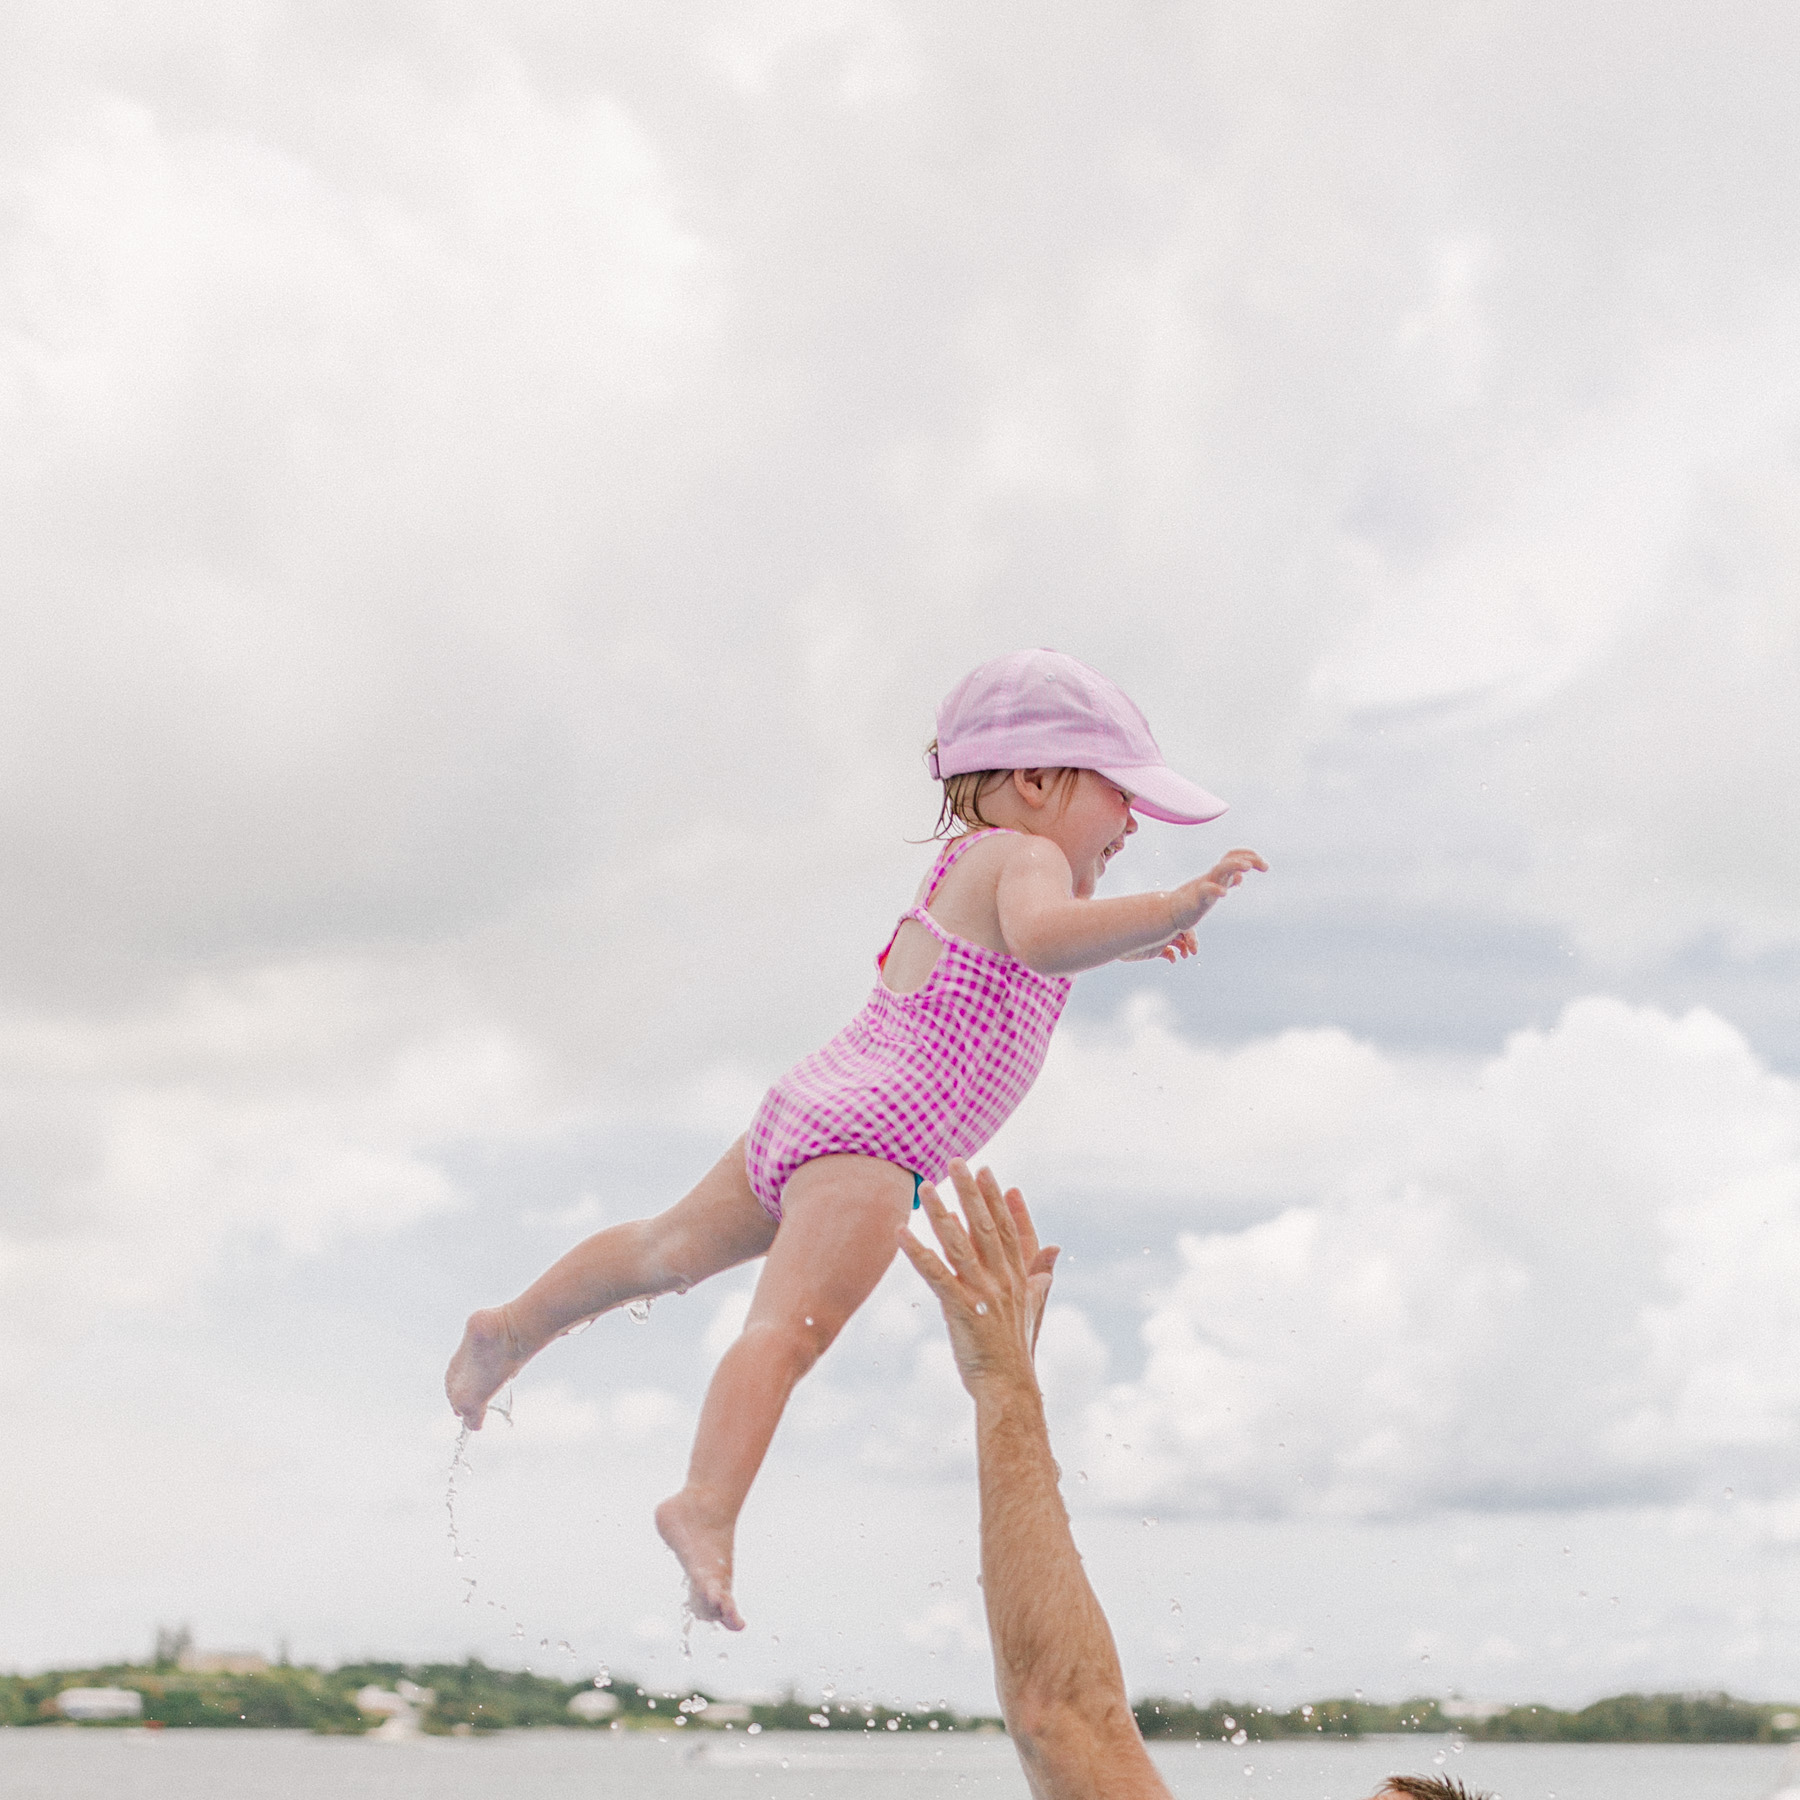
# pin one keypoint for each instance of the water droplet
(1249, 1768)
(1240, 1737)
(639, 1311)
(981, 1306)
(1081, 1474)
(809, 1318)
(1728, 1494)
(1440, 1759)
(1175, 1606)
(1149, 1521)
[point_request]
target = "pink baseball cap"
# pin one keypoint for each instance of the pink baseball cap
(1040, 709)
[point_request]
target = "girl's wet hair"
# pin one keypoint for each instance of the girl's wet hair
(961, 808)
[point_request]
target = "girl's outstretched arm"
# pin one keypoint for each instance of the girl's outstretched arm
(1052, 932)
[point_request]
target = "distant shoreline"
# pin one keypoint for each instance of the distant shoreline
(470, 1698)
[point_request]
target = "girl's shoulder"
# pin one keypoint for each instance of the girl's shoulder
(977, 859)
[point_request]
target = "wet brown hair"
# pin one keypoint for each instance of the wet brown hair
(961, 808)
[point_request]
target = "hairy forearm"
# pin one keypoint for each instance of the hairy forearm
(1064, 937)
(1055, 1665)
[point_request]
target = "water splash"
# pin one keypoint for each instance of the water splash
(460, 1470)
(459, 1466)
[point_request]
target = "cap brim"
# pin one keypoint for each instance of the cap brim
(1157, 791)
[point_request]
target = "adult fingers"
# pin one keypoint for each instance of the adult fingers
(1023, 1227)
(1037, 1288)
(929, 1264)
(976, 1211)
(947, 1228)
(1000, 1215)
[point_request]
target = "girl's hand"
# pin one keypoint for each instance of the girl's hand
(1191, 902)
(1183, 943)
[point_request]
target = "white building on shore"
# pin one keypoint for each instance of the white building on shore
(91, 1703)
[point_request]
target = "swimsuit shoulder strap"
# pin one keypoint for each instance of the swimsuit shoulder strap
(947, 859)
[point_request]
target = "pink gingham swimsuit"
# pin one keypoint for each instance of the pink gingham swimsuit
(914, 1079)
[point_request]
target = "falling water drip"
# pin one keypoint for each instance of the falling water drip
(459, 1466)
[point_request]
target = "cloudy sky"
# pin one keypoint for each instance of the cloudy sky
(492, 498)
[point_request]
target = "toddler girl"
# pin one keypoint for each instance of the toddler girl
(1043, 763)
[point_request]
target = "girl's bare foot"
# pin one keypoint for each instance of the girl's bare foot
(488, 1358)
(703, 1545)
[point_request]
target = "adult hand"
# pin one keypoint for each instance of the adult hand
(997, 1280)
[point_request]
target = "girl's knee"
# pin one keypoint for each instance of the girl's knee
(795, 1343)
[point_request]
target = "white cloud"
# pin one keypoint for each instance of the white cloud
(492, 503)
(947, 1625)
(297, 1108)
(1555, 1278)
(549, 1415)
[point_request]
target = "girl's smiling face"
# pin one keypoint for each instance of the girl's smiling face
(1091, 826)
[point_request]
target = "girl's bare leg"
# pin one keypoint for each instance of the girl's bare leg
(840, 1223)
(717, 1226)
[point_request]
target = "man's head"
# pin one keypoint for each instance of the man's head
(1425, 1787)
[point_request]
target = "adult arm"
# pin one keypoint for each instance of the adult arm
(1055, 1666)
(1052, 932)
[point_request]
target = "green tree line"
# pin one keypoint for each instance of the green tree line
(1622, 1719)
(471, 1696)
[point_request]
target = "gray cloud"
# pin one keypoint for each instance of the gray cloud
(493, 502)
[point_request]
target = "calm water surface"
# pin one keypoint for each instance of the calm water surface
(66, 1764)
